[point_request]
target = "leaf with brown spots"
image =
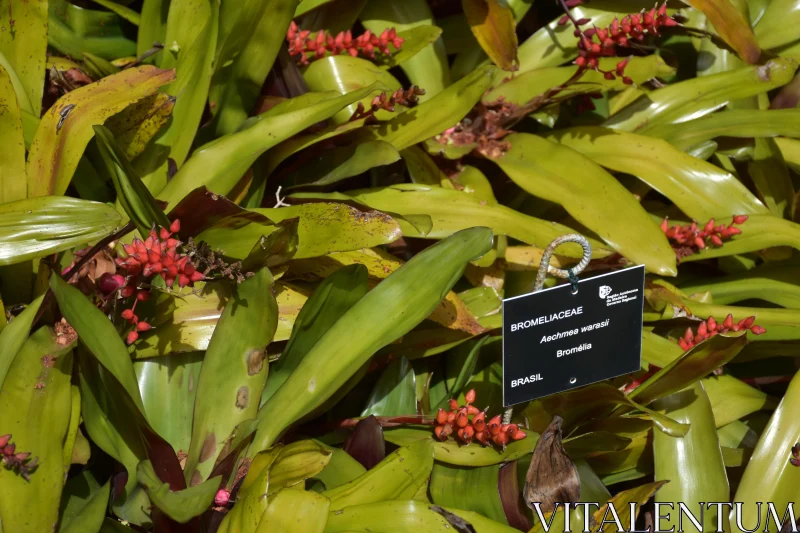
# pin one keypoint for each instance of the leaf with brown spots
(227, 389)
(552, 476)
(136, 125)
(492, 23)
(66, 128)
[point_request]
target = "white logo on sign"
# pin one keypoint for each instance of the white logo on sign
(605, 290)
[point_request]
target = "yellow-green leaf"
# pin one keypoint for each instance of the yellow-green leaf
(492, 23)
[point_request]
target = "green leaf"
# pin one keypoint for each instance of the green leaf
(23, 51)
(344, 74)
(221, 164)
(744, 123)
(524, 87)
(700, 96)
(247, 54)
(152, 25)
(98, 334)
(395, 392)
(405, 516)
(774, 27)
(66, 128)
(452, 210)
(295, 511)
(435, 115)
(417, 39)
(180, 505)
(35, 409)
(691, 366)
(692, 463)
(41, 226)
(234, 372)
(192, 26)
(340, 470)
(73, 30)
(626, 501)
(169, 386)
(559, 174)
(332, 298)
(769, 476)
(136, 125)
(110, 428)
(125, 12)
(772, 282)
(492, 23)
(399, 476)
(14, 335)
(698, 188)
(83, 504)
(334, 165)
(323, 228)
(12, 143)
(472, 488)
(404, 299)
(732, 399)
(136, 200)
(429, 67)
(771, 177)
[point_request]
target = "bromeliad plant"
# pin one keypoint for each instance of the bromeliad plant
(253, 255)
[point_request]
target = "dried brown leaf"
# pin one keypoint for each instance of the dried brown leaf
(552, 476)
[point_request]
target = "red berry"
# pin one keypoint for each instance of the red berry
(519, 435)
(494, 425)
(757, 330)
(461, 418)
(143, 326)
(712, 324)
(728, 322)
(479, 421)
(470, 396)
(127, 314)
(132, 336)
(740, 219)
(441, 416)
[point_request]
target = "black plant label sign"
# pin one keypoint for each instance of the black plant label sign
(554, 340)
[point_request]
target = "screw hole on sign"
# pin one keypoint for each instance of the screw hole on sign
(573, 381)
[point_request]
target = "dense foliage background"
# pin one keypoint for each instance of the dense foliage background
(253, 254)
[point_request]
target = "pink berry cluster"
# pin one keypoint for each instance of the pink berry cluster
(470, 423)
(709, 328)
(405, 97)
(13, 460)
(595, 42)
(155, 256)
(689, 239)
(305, 46)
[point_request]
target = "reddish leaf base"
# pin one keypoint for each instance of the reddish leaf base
(468, 423)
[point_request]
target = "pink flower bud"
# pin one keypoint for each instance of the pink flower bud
(222, 497)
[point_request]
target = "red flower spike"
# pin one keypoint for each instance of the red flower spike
(132, 337)
(470, 396)
(747, 323)
(164, 234)
(175, 227)
(728, 322)
(712, 324)
(702, 330)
